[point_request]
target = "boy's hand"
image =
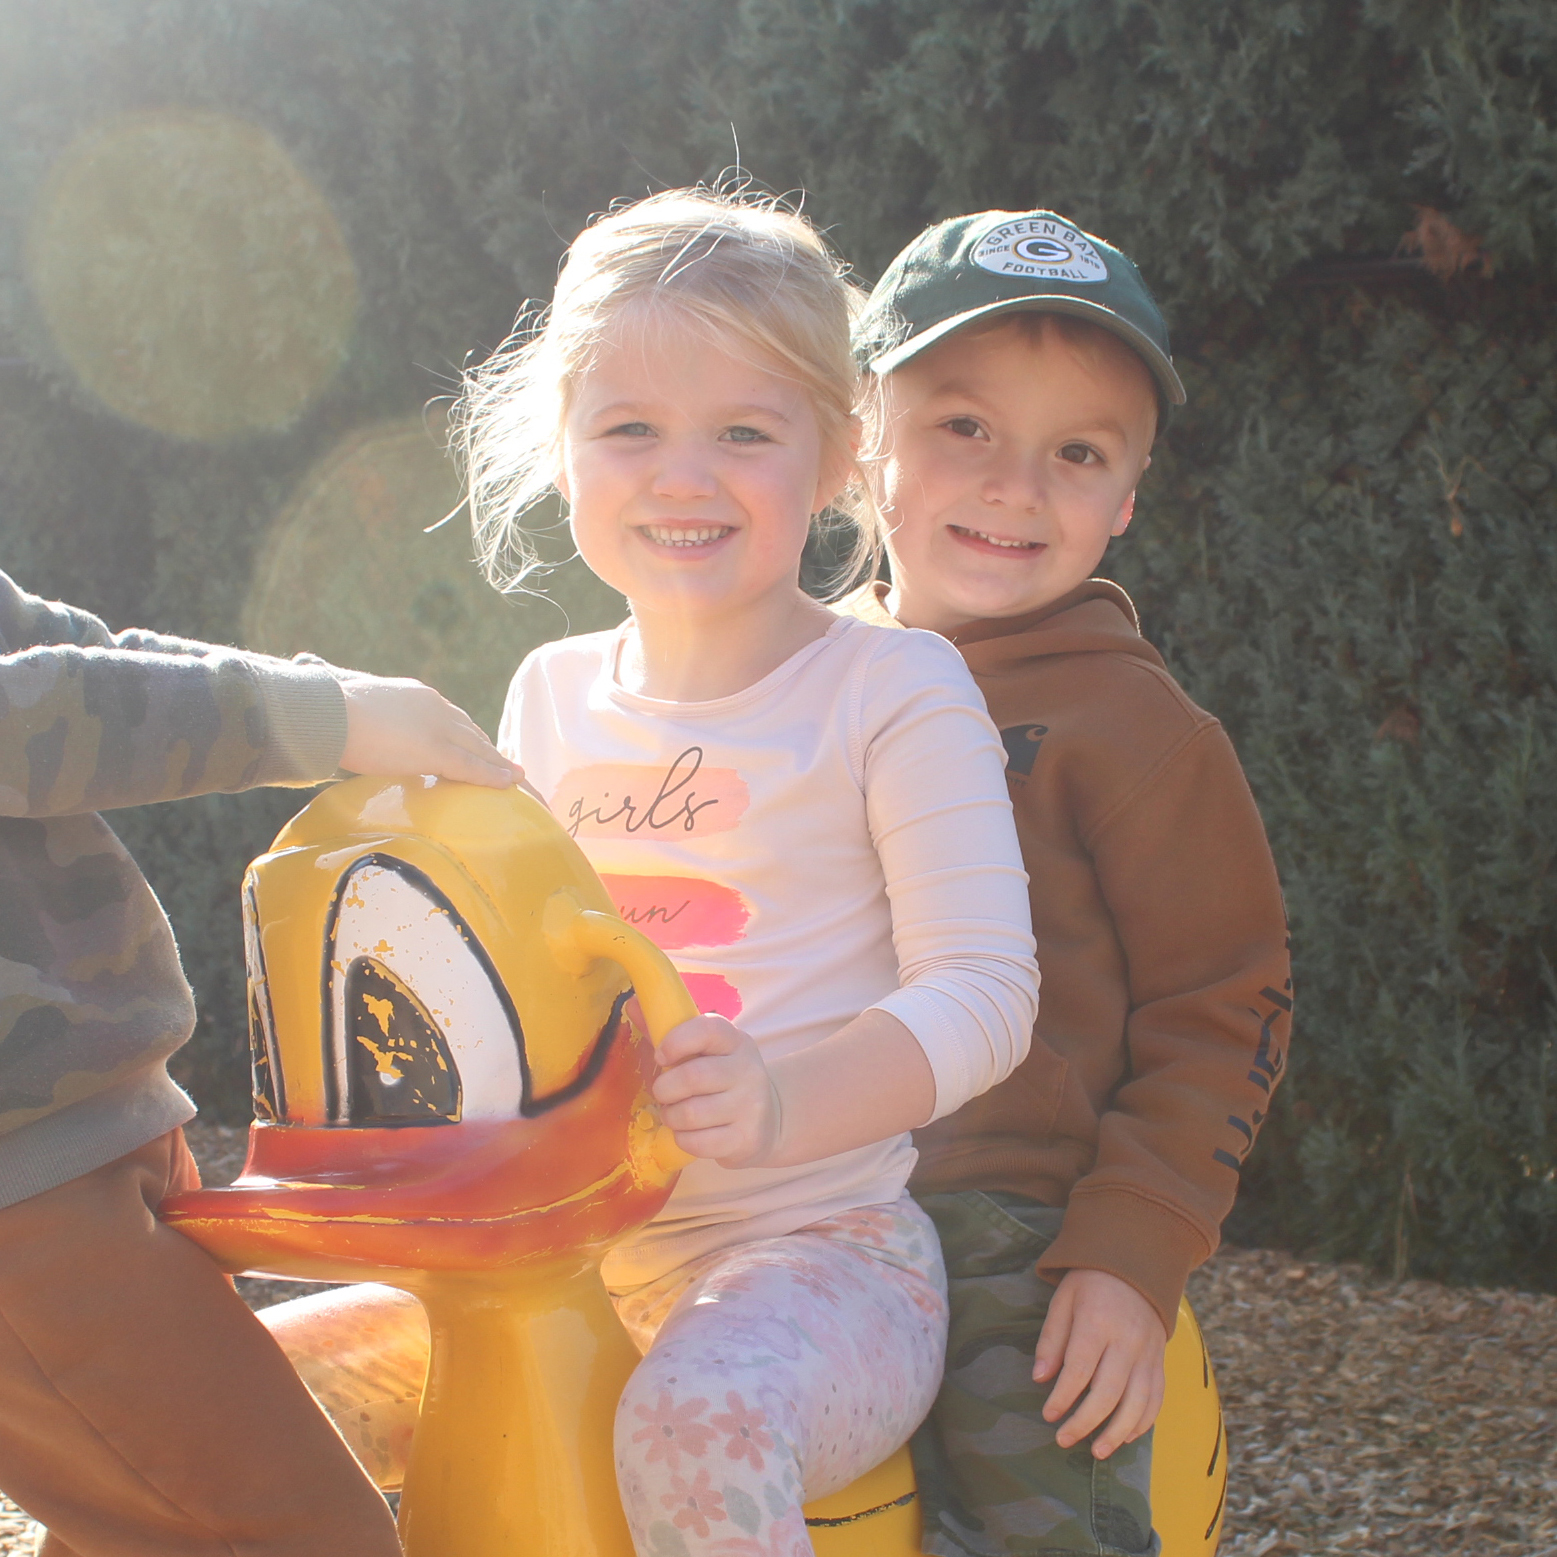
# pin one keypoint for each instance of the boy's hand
(1101, 1332)
(714, 1091)
(396, 726)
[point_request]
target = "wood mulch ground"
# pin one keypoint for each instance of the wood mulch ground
(1365, 1416)
(1370, 1416)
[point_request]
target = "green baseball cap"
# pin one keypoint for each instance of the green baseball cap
(997, 262)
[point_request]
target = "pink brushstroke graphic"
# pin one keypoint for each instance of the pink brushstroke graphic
(713, 994)
(647, 800)
(677, 911)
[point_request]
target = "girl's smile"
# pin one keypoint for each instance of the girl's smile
(702, 536)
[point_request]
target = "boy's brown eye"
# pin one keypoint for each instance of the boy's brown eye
(1078, 454)
(963, 427)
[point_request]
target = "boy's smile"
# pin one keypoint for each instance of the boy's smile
(1013, 452)
(982, 538)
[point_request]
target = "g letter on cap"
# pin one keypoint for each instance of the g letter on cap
(1042, 249)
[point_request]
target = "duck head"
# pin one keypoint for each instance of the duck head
(451, 1071)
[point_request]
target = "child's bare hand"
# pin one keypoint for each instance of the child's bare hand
(395, 726)
(1101, 1333)
(714, 1091)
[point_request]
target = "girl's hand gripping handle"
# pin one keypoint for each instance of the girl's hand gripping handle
(579, 936)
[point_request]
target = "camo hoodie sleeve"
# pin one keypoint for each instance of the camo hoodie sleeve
(92, 997)
(91, 720)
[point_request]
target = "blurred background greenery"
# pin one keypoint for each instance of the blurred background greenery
(245, 246)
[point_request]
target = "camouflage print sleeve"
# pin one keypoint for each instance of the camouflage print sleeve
(90, 720)
(29, 622)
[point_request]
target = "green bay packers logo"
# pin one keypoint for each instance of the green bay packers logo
(1042, 249)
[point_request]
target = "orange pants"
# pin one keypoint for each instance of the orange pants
(144, 1411)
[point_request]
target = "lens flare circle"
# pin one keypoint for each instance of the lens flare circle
(347, 572)
(192, 276)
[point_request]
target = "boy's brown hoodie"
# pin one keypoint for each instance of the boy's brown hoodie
(1162, 940)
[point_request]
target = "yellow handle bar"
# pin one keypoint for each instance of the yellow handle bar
(578, 936)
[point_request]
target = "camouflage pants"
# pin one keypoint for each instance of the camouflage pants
(992, 1480)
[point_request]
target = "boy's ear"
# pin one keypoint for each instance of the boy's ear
(1125, 515)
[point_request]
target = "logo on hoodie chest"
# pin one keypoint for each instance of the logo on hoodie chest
(1021, 742)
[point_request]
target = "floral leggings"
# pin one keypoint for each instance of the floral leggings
(774, 1372)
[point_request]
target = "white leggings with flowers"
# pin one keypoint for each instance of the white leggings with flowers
(773, 1373)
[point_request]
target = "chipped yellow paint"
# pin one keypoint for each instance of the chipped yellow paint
(380, 1010)
(382, 1058)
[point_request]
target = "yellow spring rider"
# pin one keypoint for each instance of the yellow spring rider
(453, 1099)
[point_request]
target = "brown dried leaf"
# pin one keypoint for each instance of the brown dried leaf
(1445, 250)
(1401, 724)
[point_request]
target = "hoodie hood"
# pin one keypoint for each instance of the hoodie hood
(1096, 617)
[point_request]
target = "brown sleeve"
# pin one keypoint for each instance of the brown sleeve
(1187, 875)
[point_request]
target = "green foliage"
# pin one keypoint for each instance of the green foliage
(1354, 564)
(1345, 545)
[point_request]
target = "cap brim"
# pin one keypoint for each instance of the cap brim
(1156, 359)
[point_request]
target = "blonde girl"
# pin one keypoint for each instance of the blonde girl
(808, 813)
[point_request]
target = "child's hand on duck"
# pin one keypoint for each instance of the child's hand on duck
(400, 726)
(715, 1092)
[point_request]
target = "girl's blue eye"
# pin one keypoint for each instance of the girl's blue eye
(746, 435)
(630, 430)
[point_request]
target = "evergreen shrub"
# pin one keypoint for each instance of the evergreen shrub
(1345, 545)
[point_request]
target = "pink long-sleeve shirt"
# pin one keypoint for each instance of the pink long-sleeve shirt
(836, 837)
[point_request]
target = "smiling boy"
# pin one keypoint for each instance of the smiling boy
(1024, 370)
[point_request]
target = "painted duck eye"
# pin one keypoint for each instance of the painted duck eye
(420, 1029)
